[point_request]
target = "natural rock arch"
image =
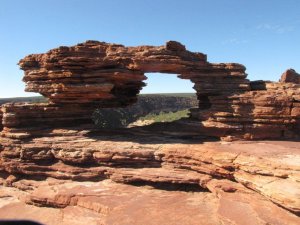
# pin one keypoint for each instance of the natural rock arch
(56, 140)
(94, 71)
(78, 79)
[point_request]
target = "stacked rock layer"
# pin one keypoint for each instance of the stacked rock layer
(94, 74)
(269, 110)
(58, 139)
(78, 79)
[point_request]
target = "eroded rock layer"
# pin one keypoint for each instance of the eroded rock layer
(96, 71)
(197, 183)
(58, 140)
(290, 76)
(269, 110)
(97, 74)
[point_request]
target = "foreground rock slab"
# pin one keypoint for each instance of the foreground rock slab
(153, 179)
(107, 202)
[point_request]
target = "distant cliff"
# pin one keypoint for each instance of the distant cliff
(121, 117)
(154, 104)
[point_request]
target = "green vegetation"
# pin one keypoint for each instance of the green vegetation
(166, 116)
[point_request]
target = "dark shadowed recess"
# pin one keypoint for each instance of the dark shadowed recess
(168, 186)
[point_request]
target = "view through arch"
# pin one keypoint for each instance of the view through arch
(164, 98)
(172, 98)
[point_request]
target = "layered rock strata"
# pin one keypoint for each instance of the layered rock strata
(183, 183)
(97, 74)
(107, 202)
(146, 104)
(269, 110)
(59, 140)
(96, 71)
(141, 156)
(290, 76)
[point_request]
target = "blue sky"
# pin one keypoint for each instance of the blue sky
(264, 35)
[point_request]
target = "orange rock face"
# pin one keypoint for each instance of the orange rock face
(290, 76)
(97, 74)
(118, 180)
(52, 155)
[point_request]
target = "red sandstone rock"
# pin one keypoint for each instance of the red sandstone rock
(213, 182)
(97, 74)
(129, 159)
(290, 76)
(102, 73)
(107, 202)
(267, 112)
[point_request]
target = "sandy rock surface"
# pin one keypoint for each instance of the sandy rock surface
(178, 183)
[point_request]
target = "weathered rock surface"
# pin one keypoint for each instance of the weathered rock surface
(97, 71)
(268, 111)
(290, 76)
(246, 174)
(107, 202)
(97, 74)
(60, 160)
